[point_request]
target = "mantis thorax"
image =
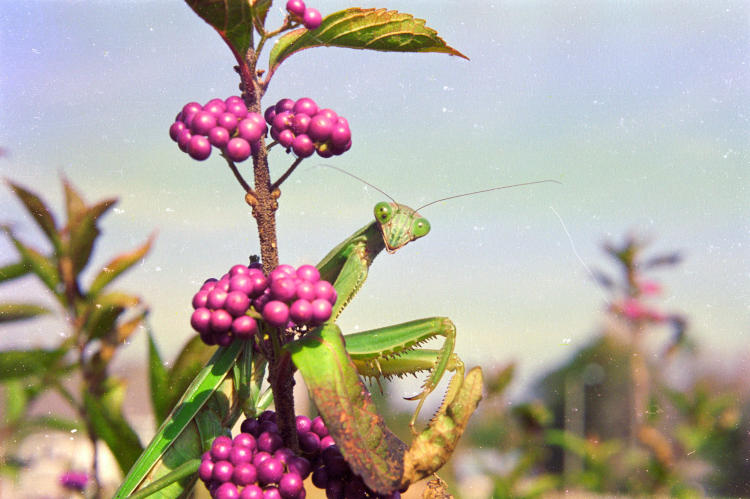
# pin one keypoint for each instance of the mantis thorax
(399, 224)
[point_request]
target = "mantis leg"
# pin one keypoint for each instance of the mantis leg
(392, 351)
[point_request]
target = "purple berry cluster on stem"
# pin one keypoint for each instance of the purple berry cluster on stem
(224, 124)
(302, 127)
(308, 16)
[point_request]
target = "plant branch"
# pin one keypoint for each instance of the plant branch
(238, 175)
(286, 174)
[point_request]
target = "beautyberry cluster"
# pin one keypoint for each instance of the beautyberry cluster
(225, 124)
(304, 128)
(254, 465)
(288, 297)
(310, 17)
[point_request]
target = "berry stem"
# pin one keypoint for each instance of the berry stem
(238, 176)
(286, 174)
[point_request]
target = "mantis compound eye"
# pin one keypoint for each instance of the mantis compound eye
(383, 212)
(420, 227)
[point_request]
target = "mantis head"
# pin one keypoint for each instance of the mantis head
(399, 224)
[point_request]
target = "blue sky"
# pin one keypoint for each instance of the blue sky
(639, 108)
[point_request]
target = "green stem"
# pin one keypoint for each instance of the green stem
(184, 470)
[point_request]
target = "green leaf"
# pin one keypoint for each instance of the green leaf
(83, 234)
(373, 29)
(104, 311)
(174, 438)
(10, 312)
(370, 448)
(42, 266)
(191, 359)
(21, 363)
(158, 379)
(232, 19)
(109, 424)
(118, 265)
(39, 212)
(14, 271)
(16, 401)
(75, 207)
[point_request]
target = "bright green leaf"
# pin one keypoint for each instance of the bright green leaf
(118, 265)
(232, 19)
(109, 424)
(10, 312)
(370, 448)
(22, 363)
(373, 29)
(158, 379)
(191, 359)
(16, 401)
(39, 212)
(14, 271)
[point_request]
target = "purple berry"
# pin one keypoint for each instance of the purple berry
(205, 470)
(221, 321)
(215, 107)
(183, 139)
(305, 106)
(320, 128)
(240, 454)
(202, 123)
(300, 123)
(283, 454)
(335, 490)
(244, 440)
(283, 289)
(241, 283)
(201, 320)
(175, 129)
(299, 465)
(329, 113)
(282, 121)
(296, 7)
(216, 299)
(270, 471)
(232, 99)
(260, 284)
(223, 339)
(259, 457)
(309, 442)
(303, 423)
(321, 310)
(306, 291)
(244, 474)
(238, 149)
(238, 109)
(311, 18)
(320, 478)
(355, 487)
(222, 471)
(287, 269)
(340, 135)
(221, 447)
(276, 313)
(226, 491)
(228, 121)
(250, 130)
(251, 492)
(189, 110)
(324, 150)
(290, 485)
(286, 138)
(250, 426)
(271, 493)
(301, 311)
(341, 150)
(237, 303)
(319, 427)
(303, 146)
(219, 137)
(324, 290)
(269, 442)
(269, 426)
(270, 114)
(326, 441)
(199, 148)
(284, 105)
(199, 299)
(244, 327)
(308, 273)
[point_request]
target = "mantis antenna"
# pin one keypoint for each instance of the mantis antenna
(360, 179)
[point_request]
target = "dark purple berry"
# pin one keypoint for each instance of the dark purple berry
(251, 492)
(335, 490)
(309, 442)
(244, 327)
(219, 137)
(321, 310)
(269, 442)
(299, 465)
(216, 298)
(311, 18)
(183, 139)
(270, 114)
(320, 128)
(303, 423)
(250, 130)
(355, 487)
(319, 427)
(270, 471)
(244, 474)
(201, 320)
(296, 7)
(290, 485)
(324, 150)
(238, 149)
(206, 469)
(221, 321)
(303, 146)
(308, 273)
(250, 426)
(276, 313)
(341, 150)
(222, 471)
(223, 339)
(237, 303)
(283, 454)
(226, 491)
(320, 478)
(269, 426)
(199, 148)
(284, 105)
(286, 138)
(175, 129)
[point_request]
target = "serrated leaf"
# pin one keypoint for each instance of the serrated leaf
(11, 312)
(107, 420)
(370, 448)
(83, 232)
(104, 311)
(118, 265)
(14, 271)
(158, 377)
(39, 211)
(357, 28)
(232, 19)
(22, 363)
(39, 264)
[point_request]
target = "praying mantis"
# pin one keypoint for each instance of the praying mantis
(331, 365)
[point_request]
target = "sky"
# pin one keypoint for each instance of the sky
(640, 109)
